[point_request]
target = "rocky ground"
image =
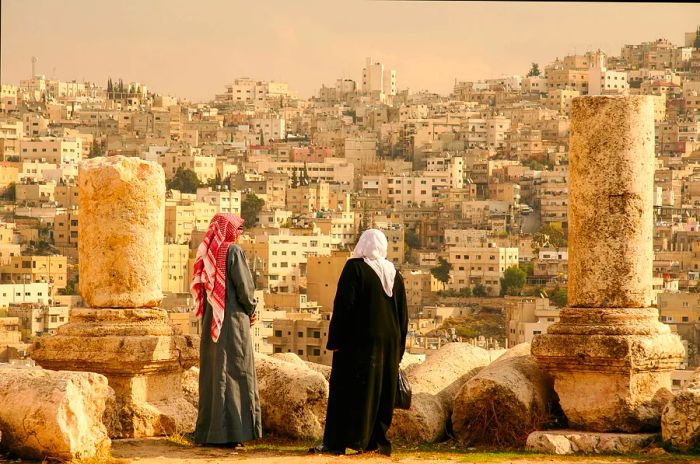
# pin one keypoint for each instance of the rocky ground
(178, 450)
(147, 451)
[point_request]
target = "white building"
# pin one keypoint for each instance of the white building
(31, 292)
(602, 81)
(378, 81)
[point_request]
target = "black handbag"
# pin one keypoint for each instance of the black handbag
(403, 392)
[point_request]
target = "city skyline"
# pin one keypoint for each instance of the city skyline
(192, 51)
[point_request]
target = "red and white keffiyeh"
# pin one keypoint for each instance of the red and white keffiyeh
(209, 276)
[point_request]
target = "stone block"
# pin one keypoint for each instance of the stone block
(570, 441)
(504, 402)
(53, 414)
(142, 355)
(680, 421)
(293, 398)
(434, 384)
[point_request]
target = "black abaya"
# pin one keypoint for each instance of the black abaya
(368, 334)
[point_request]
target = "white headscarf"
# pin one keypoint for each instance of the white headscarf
(372, 248)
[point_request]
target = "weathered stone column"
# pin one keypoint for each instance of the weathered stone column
(610, 356)
(123, 335)
(122, 219)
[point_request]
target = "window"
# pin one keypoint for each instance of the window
(300, 352)
(278, 333)
(316, 352)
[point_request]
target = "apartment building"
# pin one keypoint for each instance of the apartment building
(10, 338)
(483, 265)
(51, 269)
(287, 255)
(223, 200)
(38, 319)
(527, 317)
(65, 232)
(322, 275)
(304, 334)
(51, 150)
(176, 269)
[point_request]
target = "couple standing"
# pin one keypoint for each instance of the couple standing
(367, 335)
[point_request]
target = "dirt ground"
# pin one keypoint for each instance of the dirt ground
(163, 451)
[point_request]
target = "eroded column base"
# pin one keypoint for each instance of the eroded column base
(143, 358)
(611, 367)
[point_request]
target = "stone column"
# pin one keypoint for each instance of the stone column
(610, 356)
(122, 334)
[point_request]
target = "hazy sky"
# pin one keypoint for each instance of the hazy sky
(193, 48)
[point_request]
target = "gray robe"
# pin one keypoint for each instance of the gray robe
(229, 407)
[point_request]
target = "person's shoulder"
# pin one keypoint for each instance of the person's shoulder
(354, 264)
(235, 248)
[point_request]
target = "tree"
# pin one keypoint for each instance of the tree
(513, 281)
(559, 296)
(110, 89)
(411, 238)
(97, 149)
(479, 290)
(10, 192)
(528, 267)
(442, 270)
(215, 181)
(534, 70)
(295, 181)
(250, 208)
(184, 180)
(548, 235)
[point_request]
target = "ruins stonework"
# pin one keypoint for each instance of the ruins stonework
(610, 356)
(122, 220)
(122, 334)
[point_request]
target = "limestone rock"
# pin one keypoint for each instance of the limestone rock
(322, 369)
(121, 229)
(190, 386)
(434, 384)
(425, 422)
(611, 255)
(410, 360)
(141, 354)
(52, 414)
(612, 367)
(570, 442)
(290, 358)
(293, 398)
(445, 366)
(504, 402)
(680, 421)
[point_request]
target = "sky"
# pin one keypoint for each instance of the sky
(193, 48)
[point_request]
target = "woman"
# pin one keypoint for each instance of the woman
(223, 290)
(367, 335)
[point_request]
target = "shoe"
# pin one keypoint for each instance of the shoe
(323, 449)
(385, 450)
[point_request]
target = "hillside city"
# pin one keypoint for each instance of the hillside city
(470, 189)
